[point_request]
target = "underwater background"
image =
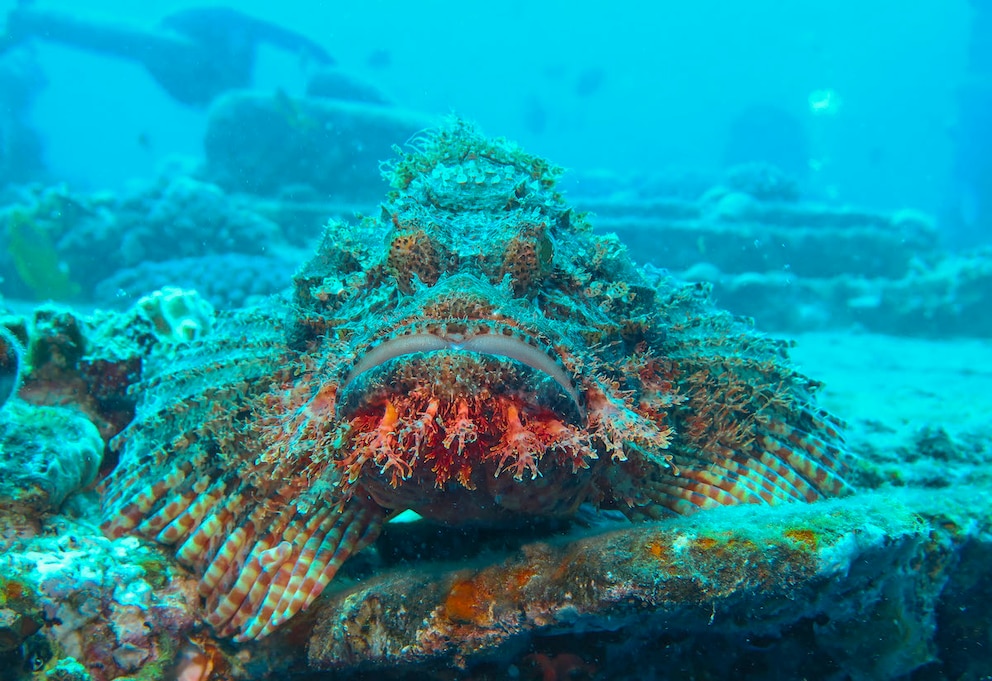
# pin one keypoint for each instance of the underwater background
(622, 88)
(319, 357)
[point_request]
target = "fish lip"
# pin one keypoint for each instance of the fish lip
(496, 340)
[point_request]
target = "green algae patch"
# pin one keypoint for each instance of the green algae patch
(36, 259)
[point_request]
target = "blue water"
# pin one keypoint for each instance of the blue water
(622, 85)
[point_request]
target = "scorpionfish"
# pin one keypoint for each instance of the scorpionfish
(473, 353)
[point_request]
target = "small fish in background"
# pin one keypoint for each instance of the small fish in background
(589, 82)
(826, 102)
(379, 58)
(876, 156)
(144, 141)
(535, 115)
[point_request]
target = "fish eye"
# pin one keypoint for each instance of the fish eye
(527, 258)
(412, 252)
(37, 653)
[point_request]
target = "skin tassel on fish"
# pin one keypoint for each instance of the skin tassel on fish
(474, 353)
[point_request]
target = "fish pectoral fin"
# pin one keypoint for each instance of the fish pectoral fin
(261, 557)
(253, 587)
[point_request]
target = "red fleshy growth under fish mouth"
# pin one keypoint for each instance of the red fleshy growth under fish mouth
(433, 408)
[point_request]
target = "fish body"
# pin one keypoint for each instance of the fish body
(474, 353)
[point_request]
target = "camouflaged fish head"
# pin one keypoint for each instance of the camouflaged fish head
(473, 353)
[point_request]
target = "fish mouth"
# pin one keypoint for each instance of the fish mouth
(457, 359)
(481, 405)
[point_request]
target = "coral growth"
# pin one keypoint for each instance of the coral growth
(46, 454)
(226, 281)
(51, 238)
(331, 147)
(177, 315)
(118, 606)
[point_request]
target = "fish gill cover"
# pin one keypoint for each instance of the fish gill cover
(473, 353)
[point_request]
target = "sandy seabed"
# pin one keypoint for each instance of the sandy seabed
(896, 385)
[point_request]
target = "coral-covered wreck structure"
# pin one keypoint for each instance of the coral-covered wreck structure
(474, 353)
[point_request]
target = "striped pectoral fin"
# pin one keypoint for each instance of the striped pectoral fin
(709, 478)
(784, 463)
(273, 568)
(129, 499)
(813, 465)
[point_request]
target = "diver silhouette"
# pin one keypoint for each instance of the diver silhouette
(969, 217)
(194, 54)
(21, 146)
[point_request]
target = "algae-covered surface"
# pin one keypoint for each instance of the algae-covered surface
(876, 564)
(880, 584)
